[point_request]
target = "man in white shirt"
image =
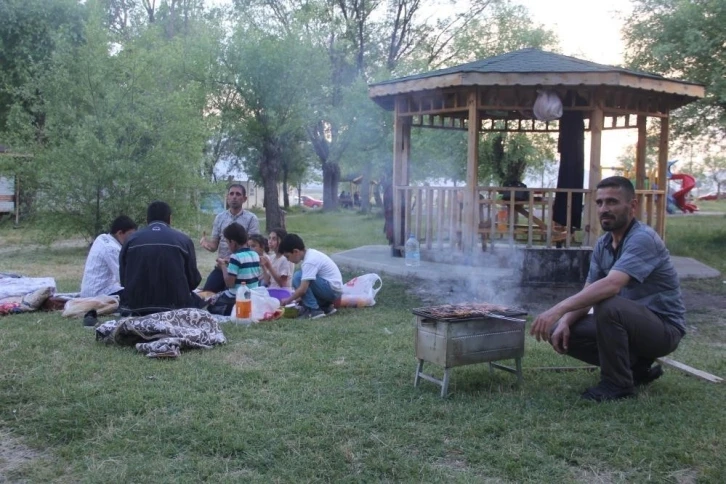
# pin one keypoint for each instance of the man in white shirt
(236, 197)
(317, 284)
(101, 274)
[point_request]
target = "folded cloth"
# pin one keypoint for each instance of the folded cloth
(20, 286)
(28, 302)
(164, 335)
(76, 308)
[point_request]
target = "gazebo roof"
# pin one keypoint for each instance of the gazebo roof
(535, 68)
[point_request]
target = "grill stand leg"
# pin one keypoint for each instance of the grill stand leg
(419, 369)
(518, 363)
(445, 383)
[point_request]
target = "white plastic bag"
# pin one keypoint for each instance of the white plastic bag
(264, 307)
(547, 106)
(360, 291)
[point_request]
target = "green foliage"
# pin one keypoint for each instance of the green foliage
(684, 39)
(123, 127)
(714, 168)
(29, 32)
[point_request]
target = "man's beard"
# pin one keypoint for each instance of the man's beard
(613, 222)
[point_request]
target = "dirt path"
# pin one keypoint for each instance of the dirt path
(14, 455)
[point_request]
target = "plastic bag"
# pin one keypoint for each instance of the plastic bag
(360, 291)
(547, 106)
(264, 307)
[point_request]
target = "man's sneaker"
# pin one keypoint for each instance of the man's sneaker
(307, 313)
(642, 378)
(605, 392)
(329, 310)
(90, 319)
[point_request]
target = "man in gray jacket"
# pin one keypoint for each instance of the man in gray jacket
(634, 291)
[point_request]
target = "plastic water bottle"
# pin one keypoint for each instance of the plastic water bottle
(243, 305)
(413, 252)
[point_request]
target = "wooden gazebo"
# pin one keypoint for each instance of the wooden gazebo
(498, 94)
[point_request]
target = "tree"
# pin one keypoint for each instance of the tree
(29, 31)
(714, 166)
(270, 77)
(122, 128)
(684, 39)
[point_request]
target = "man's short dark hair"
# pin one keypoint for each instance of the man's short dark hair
(122, 223)
(618, 182)
(240, 186)
(236, 232)
(291, 242)
(158, 211)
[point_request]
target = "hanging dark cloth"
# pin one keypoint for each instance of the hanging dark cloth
(571, 145)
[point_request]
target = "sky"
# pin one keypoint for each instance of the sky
(590, 30)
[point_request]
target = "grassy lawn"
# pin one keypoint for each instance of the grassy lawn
(332, 400)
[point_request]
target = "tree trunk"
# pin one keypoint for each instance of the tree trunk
(377, 195)
(331, 178)
(285, 191)
(270, 172)
(365, 189)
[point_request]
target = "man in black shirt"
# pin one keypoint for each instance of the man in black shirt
(158, 267)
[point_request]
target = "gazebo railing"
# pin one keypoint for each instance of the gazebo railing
(435, 215)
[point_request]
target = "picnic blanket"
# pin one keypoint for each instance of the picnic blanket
(164, 335)
(12, 285)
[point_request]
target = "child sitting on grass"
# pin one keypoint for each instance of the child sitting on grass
(317, 284)
(243, 266)
(279, 269)
(258, 243)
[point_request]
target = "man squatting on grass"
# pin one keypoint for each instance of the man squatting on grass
(236, 197)
(317, 284)
(100, 274)
(634, 290)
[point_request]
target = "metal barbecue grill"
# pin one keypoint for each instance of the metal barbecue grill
(464, 334)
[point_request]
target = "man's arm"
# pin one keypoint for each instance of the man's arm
(111, 259)
(209, 243)
(576, 306)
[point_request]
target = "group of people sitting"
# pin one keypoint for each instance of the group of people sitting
(347, 200)
(154, 269)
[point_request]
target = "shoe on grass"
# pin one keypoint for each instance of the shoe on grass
(90, 318)
(329, 310)
(642, 378)
(307, 313)
(606, 392)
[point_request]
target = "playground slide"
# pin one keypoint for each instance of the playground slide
(688, 183)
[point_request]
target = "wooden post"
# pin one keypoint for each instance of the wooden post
(662, 177)
(640, 163)
(469, 225)
(597, 119)
(17, 200)
(401, 158)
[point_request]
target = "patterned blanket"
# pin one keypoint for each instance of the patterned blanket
(164, 335)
